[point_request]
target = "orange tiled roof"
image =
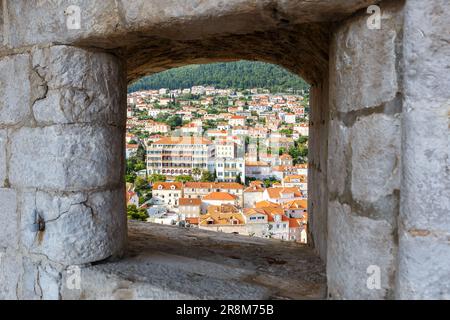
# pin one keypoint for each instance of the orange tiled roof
(295, 223)
(213, 185)
(193, 220)
(167, 185)
(296, 204)
(285, 156)
(254, 188)
(265, 203)
(300, 177)
(190, 202)
(225, 196)
(221, 218)
(275, 193)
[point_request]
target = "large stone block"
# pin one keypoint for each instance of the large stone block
(426, 179)
(78, 227)
(47, 21)
(10, 272)
(67, 158)
(14, 89)
(375, 159)
(364, 61)
(423, 271)
(426, 52)
(9, 219)
(3, 141)
(83, 86)
(355, 244)
(338, 157)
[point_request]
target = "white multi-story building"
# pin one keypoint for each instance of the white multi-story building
(192, 129)
(225, 149)
(167, 193)
(200, 189)
(229, 169)
(290, 118)
(155, 112)
(302, 129)
(237, 121)
(154, 127)
(299, 181)
(172, 156)
(282, 194)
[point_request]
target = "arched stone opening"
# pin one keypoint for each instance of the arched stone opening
(61, 205)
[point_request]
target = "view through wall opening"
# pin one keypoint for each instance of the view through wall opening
(221, 147)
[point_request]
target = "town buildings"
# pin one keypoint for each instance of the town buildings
(255, 187)
(174, 156)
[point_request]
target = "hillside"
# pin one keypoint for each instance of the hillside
(237, 75)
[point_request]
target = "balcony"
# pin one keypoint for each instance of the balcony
(164, 262)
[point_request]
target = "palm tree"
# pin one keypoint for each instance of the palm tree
(196, 172)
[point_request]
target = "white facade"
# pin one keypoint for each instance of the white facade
(228, 170)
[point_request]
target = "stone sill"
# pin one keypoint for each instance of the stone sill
(165, 262)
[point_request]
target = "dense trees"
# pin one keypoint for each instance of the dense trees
(134, 164)
(135, 213)
(156, 178)
(299, 152)
(184, 178)
(208, 176)
(237, 75)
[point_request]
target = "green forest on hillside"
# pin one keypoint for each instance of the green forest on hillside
(236, 75)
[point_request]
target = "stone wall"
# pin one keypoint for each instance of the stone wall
(317, 170)
(379, 170)
(364, 154)
(62, 125)
(424, 222)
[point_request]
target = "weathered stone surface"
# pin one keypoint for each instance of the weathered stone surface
(65, 139)
(66, 158)
(423, 271)
(78, 227)
(426, 160)
(318, 169)
(8, 218)
(424, 222)
(364, 72)
(426, 52)
(40, 280)
(338, 157)
(426, 120)
(10, 273)
(102, 23)
(3, 141)
(358, 242)
(375, 158)
(14, 89)
(83, 86)
(165, 262)
(158, 35)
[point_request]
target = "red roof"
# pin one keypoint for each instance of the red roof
(219, 196)
(167, 185)
(190, 202)
(213, 185)
(294, 223)
(192, 220)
